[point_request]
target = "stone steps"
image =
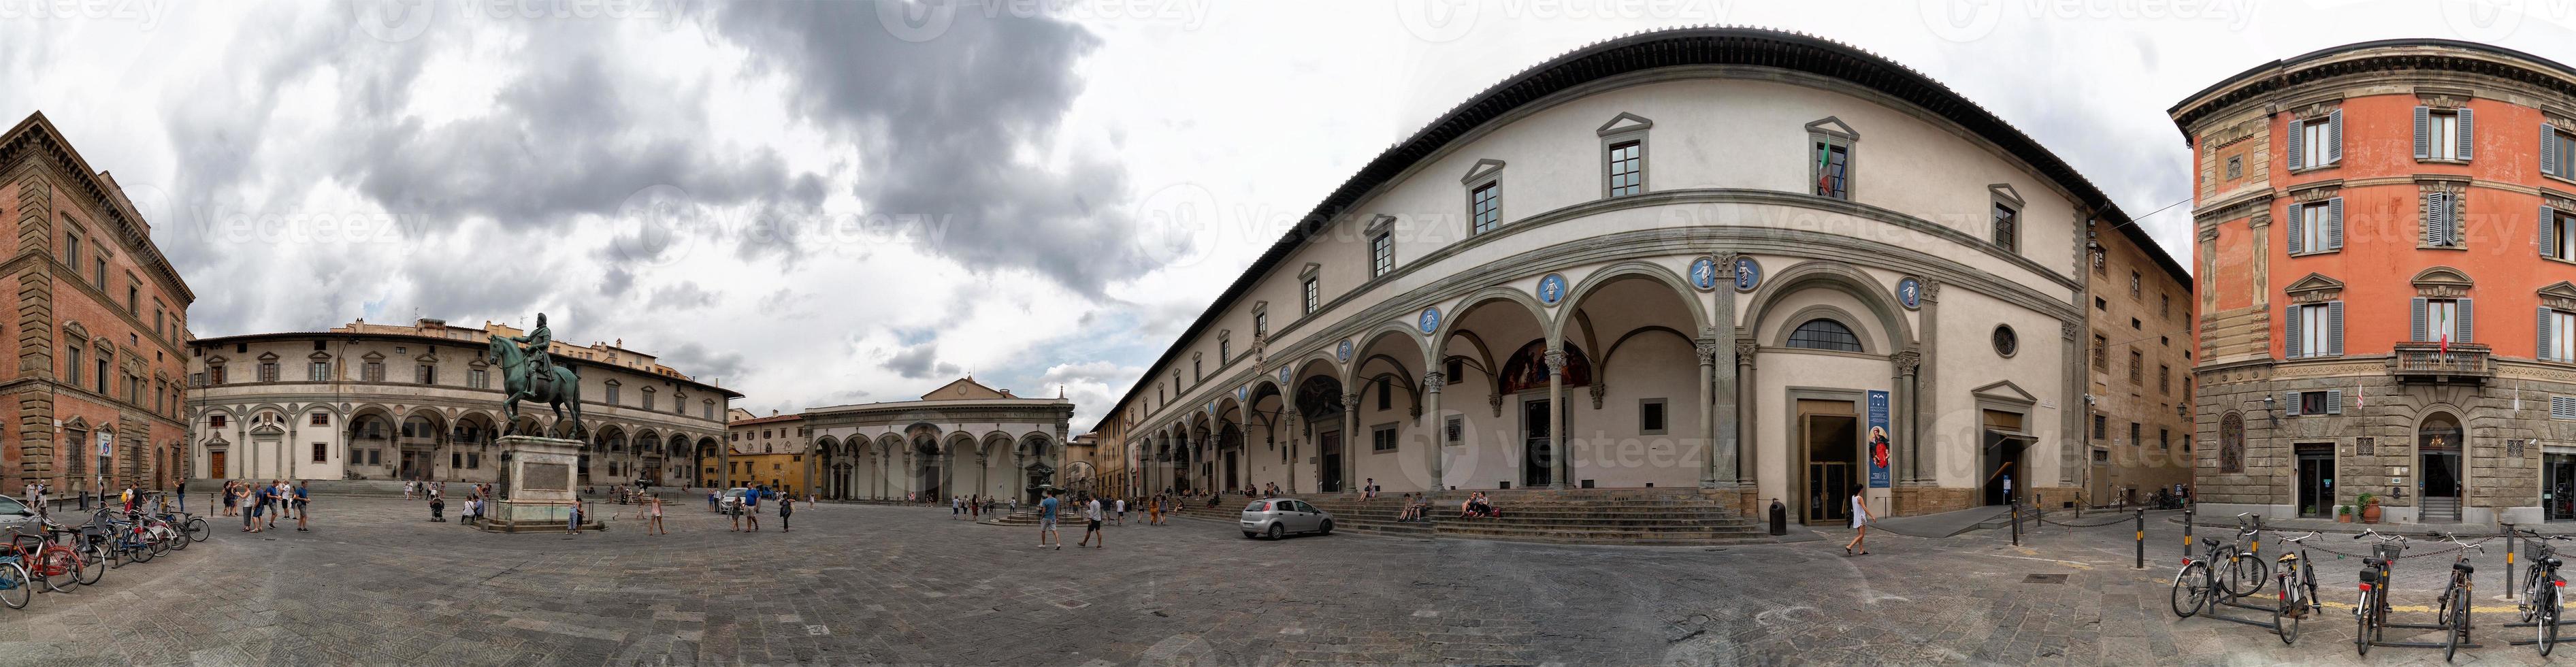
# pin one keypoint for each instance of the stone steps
(1650, 517)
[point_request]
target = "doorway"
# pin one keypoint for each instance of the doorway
(1831, 443)
(215, 465)
(2316, 479)
(1231, 481)
(2439, 439)
(2558, 485)
(1329, 477)
(1538, 455)
(415, 464)
(2001, 461)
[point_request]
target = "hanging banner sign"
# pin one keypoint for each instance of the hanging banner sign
(1878, 442)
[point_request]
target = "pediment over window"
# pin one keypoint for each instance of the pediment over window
(267, 356)
(1624, 122)
(319, 356)
(1484, 169)
(2316, 285)
(2005, 192)
(81, 423)
(75, 331)
(267, 428)
(478, 364)
(1833, 127)
(2443, 276)
(428, 358)
(2561, 296)
(374, 356)
(217, 360)
(2005, 391)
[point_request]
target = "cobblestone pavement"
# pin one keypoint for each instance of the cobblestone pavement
(377, 584)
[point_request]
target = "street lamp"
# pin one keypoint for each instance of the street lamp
(2269, 412)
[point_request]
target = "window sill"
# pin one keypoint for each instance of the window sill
(2421, 246)
(2441, 160)
(2314, 168)
(2336, 251)
(2561, 260)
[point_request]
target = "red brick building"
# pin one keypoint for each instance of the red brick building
(2386, 233)
(99, 322)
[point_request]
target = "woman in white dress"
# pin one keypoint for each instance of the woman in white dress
(1860, 523)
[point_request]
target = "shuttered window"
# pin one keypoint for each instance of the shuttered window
(2313, 330)
(2441, 219)
(2316, 142)
(2562, 407)
(2557, 335)
(2557, 148)
(2557, 233)
(2316, 227)
(2438, 320)
(2444, 134)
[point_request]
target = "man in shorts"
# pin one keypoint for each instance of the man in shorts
(1046, 522)
(1122, 511)
(1091, 513)
(751, 509)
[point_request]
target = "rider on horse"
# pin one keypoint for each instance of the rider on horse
(540, 364)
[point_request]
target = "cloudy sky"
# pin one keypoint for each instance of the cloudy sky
(855, 201)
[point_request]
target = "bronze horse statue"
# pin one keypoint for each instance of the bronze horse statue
(561, 390)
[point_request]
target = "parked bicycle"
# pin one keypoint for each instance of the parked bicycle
(2195, 582)
(2372, 609)
(2453, 609)
(16, 586)
(2298, 589)
(2541, 601)
(54, 566)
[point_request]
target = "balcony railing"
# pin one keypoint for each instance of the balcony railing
(2431, 362)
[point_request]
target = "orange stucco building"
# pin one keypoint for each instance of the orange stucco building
(2383, 246)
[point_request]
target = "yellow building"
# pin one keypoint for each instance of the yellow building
(765, 451)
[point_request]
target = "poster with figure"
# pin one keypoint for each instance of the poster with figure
(1878, 442)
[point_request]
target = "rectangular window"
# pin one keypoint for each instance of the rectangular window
(72, 366)
(1627, 168)
(214, 374)
(2558, 234)
(473, 460)
(2101, 427)
(2101, 353)
(1455, 429)
(2312, 228)
(2164, 379)
(321, 419)
(2442, 135)
(1650, 417)
(2312, 402)
(2441, 319)
(2557, 148)
(1314, 295)
(2441, 219)
(268, 371)
(1833, 170)
(648, 399)
(2562, 407)
(2137, 365)
(1485, 205)
(2314, 328)
(2557, 335)
(1381, 254)
(317, 371)
(612, 394)
(2164, 439)
(2007, 228)
(1382, 439)
(425, 374)
(1385, 399)
(2135, 284)
(2134, 440)
(375, 457)
(2314, 140)
(71, 250)
(99, 273)
(215, 421)
(321, 452)
(1224, 351)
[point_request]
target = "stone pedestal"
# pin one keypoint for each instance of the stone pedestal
(536, 488)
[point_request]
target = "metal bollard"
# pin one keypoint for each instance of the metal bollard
(2186, 530)
(2508, 561)
(2016, 524)
(2142, 539)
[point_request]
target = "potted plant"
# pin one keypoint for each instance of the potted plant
(2307, 510)
(2369, 508)
(2343, 514)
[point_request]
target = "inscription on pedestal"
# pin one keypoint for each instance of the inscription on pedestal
(546, 477)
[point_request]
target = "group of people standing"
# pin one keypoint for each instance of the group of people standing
(260, 505)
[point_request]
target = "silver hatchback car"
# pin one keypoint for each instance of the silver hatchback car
(1277, 517)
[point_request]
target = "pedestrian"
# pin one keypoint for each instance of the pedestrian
(786, 507)
(303, 505)
(751, 509)
(1046, 522)
(276, 496)
(226, 492)
(572, 521)
(653, 525)
(1860, 522)
(1092, 516)
(251, 522)
(245, 497)
(1122, 511)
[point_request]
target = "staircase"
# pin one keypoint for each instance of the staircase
(2434, 509)
(1649, 517)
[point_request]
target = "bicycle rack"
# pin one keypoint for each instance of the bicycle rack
(2387, 554)
(2222, 597)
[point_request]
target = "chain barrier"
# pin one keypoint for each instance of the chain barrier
(2115, 520)
(2443, 552)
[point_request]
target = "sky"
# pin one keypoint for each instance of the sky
(827, 203)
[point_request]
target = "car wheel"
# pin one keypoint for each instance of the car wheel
(1276, 532)
(1325, 528)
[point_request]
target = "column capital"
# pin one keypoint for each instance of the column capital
(1907, 361)
(1432, 381)
(1744, 349)
(1708, 349)
(1351, 402)
(1555, 361)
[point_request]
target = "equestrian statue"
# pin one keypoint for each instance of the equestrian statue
(528, 372)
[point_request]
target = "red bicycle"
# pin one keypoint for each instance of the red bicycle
(57, 566)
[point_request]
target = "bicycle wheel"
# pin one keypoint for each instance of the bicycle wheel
(2459, 621)
(154, 540)
(16, 588)
(2364, 612)
(2547, 630)
(197, 530)
(138, 551)
(2191, 589)
(2252, 572)
(2285, 616)
(91, 570)
(170, 533)
(58, 568)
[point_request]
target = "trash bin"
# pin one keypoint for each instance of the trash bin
(1779, 518)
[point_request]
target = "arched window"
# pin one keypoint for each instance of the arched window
(1824, 334)
(2231, 443)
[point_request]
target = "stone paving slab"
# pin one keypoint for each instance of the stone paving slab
(376, 584)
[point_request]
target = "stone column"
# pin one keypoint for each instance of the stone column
(1900, 403)
(1350, 440)
(1431, 384)
(1927, 398)
(1561, 464)
(724, 464)
(1747, 434)
(1288, 422)
(1716, 460)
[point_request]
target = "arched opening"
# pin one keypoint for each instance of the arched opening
(1319, 404)
(2439, 441)
(1525, 376)
(1269, 453)
(1824, 334)
(1493, 427)
(1635, 420)
(370, 434)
